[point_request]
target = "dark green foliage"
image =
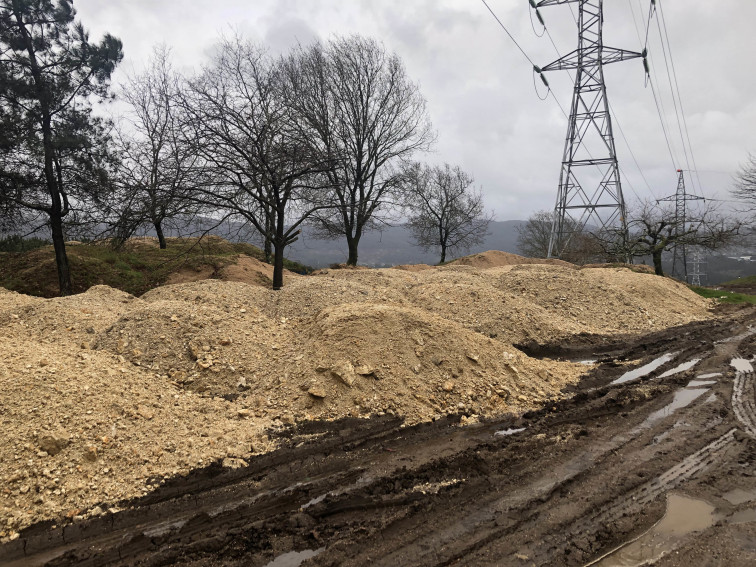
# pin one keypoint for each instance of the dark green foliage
(53, 151)
(15, 243)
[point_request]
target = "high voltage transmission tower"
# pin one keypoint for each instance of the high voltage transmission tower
(590, 192)
(679, 254)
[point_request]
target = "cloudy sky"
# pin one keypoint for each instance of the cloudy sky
(480, 88)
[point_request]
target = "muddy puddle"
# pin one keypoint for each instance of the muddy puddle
(294, 558)
(508, 432)
(740, 496)
(741, 365)
(682, 398)
(700, 383)
(681, 368)
(646, 369)
(684, 516)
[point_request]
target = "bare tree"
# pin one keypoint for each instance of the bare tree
(260, 167)
(156, 163)
(446, 212)
(366, 117)
(745, 186)
(654, 229)
(533, 240)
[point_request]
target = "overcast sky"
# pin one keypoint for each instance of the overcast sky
(480, 88)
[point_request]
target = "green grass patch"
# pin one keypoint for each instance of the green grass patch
(746, 281)
(136, 267)
(724, 296)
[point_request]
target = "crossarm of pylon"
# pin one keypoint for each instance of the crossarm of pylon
(554, 2)
(608, 55)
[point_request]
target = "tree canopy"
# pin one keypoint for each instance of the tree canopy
(53, 151)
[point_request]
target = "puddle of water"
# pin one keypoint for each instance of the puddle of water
(739, 496)
(684, 516)
(587, 362)
(743, 517)
(700, 383)
(646, 369)
(682, 368)
(709, 375)
(681, 399)
(741, 365)
(507, 432)
(294, 558)
(362, 481)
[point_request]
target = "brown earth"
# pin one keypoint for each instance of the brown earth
(105, 395)
(580, 479)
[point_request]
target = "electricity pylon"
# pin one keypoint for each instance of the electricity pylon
(590, 191)
(698, 271)
(679, 253)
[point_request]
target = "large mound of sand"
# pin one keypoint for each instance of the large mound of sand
(103, 391)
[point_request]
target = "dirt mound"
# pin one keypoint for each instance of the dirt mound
(103, 391)
(496, 258)
(245, 269)
(385, 358)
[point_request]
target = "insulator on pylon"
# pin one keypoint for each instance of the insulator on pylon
(533, 4)
(646, 67)
(540, 18)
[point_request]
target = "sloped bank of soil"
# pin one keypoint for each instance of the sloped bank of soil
(105, 393)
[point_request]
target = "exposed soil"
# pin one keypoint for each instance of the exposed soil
(355, 412)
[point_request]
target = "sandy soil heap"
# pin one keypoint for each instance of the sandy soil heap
(105, 394)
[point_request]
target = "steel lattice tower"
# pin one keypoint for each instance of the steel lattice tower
(590, 192)
(679, 253)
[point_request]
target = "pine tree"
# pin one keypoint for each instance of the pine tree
(53, 155)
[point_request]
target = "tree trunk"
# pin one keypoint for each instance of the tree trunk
(267, 241)
(443, 254)
(161, 237)
(61, 258)
(657, 256)
(268, 250)
(279, 245)
(352, 244)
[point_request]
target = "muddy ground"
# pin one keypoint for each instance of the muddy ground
(566, 486)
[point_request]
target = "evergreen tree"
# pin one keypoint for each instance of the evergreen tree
(53, 155)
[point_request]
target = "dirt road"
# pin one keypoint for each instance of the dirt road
(571, 484)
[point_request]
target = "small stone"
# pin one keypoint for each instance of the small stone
(90, 453)
(317, 391)
(225, 341)
(54, 443)
(344, 371)
(448, 386)
(288, 419)
(472, 356)
(205, 362)
(364, 370)
(243, 413)
(145, 412)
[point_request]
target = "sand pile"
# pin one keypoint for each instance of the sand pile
(496, 258)
(103, 393)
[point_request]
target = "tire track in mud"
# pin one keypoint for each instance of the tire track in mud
(553, 548)
(743, 401)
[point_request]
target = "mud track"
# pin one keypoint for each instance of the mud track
(564, 486)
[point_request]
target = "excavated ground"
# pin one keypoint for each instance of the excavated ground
(355, 414)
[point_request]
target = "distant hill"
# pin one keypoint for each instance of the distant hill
(392, 246)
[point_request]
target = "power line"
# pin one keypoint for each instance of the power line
(507, 32)
(677, 86)
(661, 118)
(672, 91)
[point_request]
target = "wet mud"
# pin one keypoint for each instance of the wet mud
(661, 467)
